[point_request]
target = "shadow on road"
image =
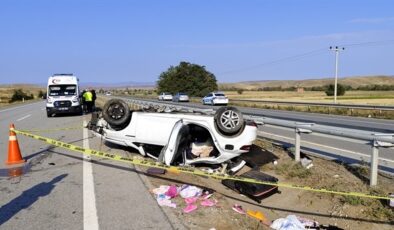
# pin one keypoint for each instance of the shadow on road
(27, 198)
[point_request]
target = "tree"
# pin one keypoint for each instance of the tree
(40, 94)
(19, 95)
(330, 89)
(189, 78)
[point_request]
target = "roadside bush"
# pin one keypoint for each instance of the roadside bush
(40, 94)
(19, 95)
(331, 88)
(240, 91)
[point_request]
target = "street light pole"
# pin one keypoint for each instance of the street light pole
(336, 49)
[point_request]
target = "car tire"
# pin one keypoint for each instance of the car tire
(116, 112)
(49, 114)
(229, 120)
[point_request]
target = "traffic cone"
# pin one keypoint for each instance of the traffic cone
(14, 153)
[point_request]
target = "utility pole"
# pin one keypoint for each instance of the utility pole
(336, 49)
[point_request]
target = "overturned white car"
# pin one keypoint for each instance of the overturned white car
(177, 138)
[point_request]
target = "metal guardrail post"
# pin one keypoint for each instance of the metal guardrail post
(374, 164)
(300, 128)
(373, 181)
(297, 146)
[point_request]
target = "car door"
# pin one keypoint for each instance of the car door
(177, 143)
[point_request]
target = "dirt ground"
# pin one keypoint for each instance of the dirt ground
(341, 211)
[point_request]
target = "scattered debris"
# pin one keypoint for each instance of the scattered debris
(187, 191)
(256, 192)
(191, 194)
(156, 171)
(306, 163)
(289, 223)
(260, 216)
(238, 208)
(391, 201)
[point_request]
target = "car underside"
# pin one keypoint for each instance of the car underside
(178, 138)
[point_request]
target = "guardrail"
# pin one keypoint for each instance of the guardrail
(346, 106)
(376, 140)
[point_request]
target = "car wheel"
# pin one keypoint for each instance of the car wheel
(229, 120)
(49, 114)
(116, 112)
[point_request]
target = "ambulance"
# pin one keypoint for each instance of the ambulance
(63, 95)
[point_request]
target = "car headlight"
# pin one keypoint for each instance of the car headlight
(75, 99)
(49, 100)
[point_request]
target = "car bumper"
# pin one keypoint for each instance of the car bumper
(220, 101)
(72, 109)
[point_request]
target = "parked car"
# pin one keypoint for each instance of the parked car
(215, 98)
(108, 93)
(178, 138)
(165, 96)
(180, 97)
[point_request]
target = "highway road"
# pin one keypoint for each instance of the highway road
(60, 189)
(330, 147)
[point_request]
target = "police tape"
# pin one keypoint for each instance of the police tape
(52, 130)
(187, 170)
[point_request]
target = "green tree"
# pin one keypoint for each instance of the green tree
(40, 94)
(192, 79)
(19, 95)
(341, 90)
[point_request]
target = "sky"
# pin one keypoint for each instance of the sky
(113, 41)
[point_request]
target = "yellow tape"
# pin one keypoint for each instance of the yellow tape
(188, 170)
(52, 130)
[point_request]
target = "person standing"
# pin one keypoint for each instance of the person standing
(88, 96)
(94, 97)
(83, 101)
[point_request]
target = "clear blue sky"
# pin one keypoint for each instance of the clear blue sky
(119, 41)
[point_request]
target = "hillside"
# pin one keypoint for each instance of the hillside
(352, 81)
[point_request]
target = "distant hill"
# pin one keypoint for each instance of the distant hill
(352, 81)
(130, 84)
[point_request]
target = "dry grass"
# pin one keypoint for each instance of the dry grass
(351, 97)
(6, 91)
(352, 81)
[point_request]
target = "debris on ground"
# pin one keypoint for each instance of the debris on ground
(256, 192)
(191, 195)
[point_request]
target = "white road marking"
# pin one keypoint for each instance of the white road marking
(90, 220)
(28, 115)
(324, 146)
(18, 107)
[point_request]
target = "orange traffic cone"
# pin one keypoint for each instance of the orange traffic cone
(14, 153)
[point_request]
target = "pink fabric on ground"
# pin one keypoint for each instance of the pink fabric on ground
(172, 191)
(191, 200)
(190, 208)
(208, 203)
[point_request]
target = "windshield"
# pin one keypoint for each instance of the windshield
(219, 94)
(62, 90)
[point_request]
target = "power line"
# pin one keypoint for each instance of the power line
(373, 43)
(308, 54)
(286, 59)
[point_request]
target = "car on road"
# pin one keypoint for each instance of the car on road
(215, 98)
(108, 93)
(165, 96)
(180, 97)
(177, 138)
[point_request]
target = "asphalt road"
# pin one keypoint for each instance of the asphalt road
(350, 151)
(60, 190)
